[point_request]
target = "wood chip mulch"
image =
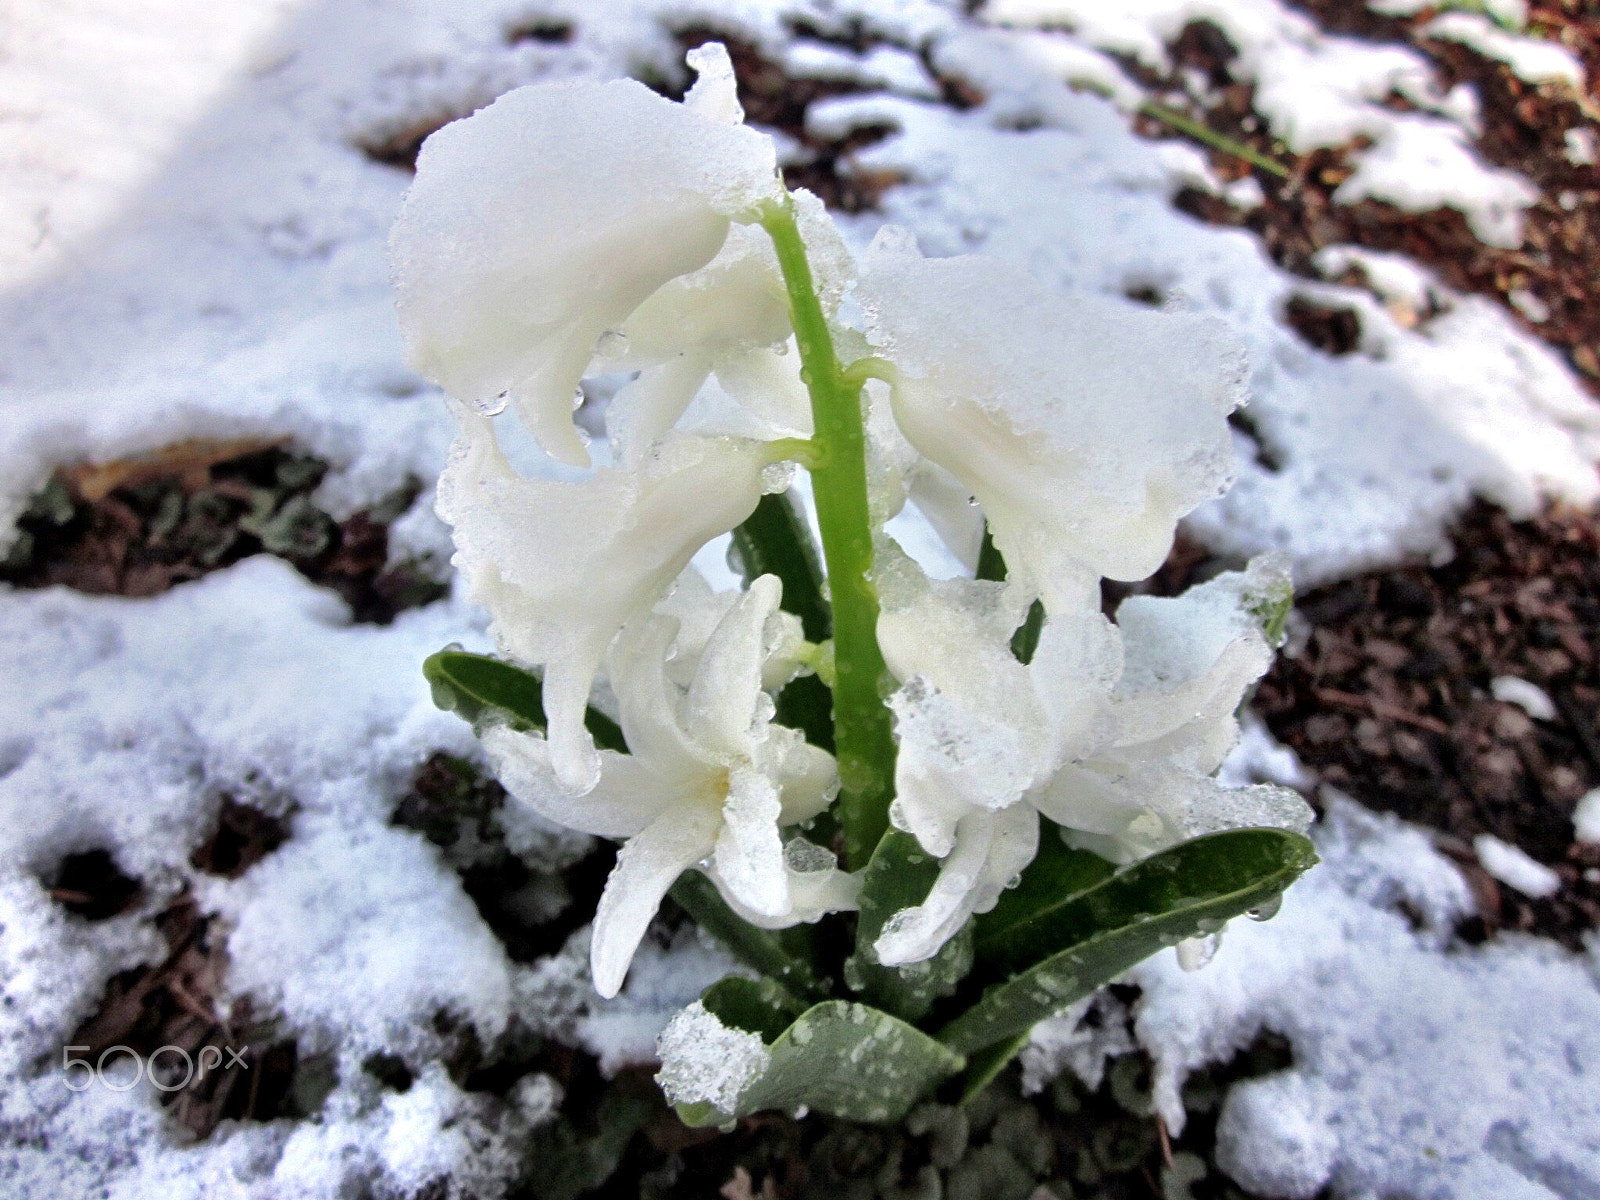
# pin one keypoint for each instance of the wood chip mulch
(1391, 699)
(138, 527)
(210, 1062)
(1545, 283)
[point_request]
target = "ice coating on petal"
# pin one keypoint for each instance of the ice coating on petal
(705, 1062)
(561, 567)
(990, 849)
(1189, 660)
(1086, 427)
(542, 221)
(977, 728)
(732, 310)
(749, 854)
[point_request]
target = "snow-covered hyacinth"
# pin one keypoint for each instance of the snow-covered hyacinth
(581, 230)
(709, 779)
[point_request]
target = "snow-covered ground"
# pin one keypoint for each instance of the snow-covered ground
(192, 245)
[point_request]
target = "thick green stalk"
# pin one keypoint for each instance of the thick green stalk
(863, 738)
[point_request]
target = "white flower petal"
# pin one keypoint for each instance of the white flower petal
(562, 566)
(749, 853)
(1084, 426)
(628, 797)
(648, 701)
(807, 775)
(647, 866)
(542, 221)
(990, 850)
(816, 887)
(1188, 663)
(725, 698)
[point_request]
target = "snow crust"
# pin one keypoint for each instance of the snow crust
(192, 245)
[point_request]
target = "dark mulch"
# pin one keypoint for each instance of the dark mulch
(1524, 130)
(618, 1139)
(453, 805)
(141, 526)
(232, 1066)
(1390, 700)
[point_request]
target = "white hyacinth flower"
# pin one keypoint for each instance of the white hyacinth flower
(1188, 662)
(1111, 731)
(709, 781)
(539, 224)
(1085, 427)
(561, 567)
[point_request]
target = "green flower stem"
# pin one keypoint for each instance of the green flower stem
(863, 737)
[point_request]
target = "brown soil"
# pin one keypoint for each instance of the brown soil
(1524, 130)
(1390, 700)
(236, 1067)
(139, 527)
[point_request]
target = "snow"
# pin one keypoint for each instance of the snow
(1318, 91)
(1529, 697)
(1533, 59)
(1586, 817)
(192, 245)
(1414, 1073)
(1512, 867)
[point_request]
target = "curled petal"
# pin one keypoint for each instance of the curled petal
(1128, 813)
(1189, 661)
(725, 698)
(749, 853)
(990, 850)
(816, 887)
(646, 867)
(1084, 426)
(807, 775)
(541, 222)
(628, 797)
(607, 548)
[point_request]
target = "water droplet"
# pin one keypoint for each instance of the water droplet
(613, 343)
(1197, 952)
(493, 406)
(1267, 909)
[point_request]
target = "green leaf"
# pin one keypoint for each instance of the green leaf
(783, 955)
(776, 540)
(992, 565)
(571, 1165)
(985, 1064)
(898, 877)
(758, 1006)
(479, 687)
(1187, 891)
(1018, 928)
(843, 1059)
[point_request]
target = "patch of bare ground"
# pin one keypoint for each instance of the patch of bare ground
(208, 1062)
(1525, 127)
(1392, 700)
(138, 527)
